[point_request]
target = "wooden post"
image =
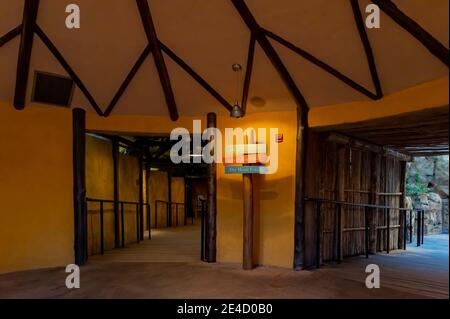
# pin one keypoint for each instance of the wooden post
(342, 152)
(187, 200)
(302, 129)
(115, 156)
(300, 174)
(102, 235)
(402, 219)
(141, 195)
(375, 169)
(122, 219)
(169, 204)
(247, 261)
(318, 235)
(211, 214)
(79, 184)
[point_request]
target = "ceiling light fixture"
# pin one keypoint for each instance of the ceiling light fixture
(236, 110)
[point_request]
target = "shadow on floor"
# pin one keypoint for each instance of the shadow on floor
(419, 272)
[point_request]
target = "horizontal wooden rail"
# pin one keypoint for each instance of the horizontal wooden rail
(368, 209)
(329, 201)
(168, 211)
(121, 204)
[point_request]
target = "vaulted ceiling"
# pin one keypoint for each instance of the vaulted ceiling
(211, 35)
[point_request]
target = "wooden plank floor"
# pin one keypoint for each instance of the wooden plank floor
(175, 244)
(421, 271)
(153, 269)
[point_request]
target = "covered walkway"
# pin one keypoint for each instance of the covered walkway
(175, 244)
(163, 268)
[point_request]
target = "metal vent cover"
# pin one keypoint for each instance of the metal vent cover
(49, 88)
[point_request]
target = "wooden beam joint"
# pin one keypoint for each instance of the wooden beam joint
(158, 57)
(26, 45)
(367, 47)
(195, 76)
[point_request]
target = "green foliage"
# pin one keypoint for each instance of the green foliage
(414, 186)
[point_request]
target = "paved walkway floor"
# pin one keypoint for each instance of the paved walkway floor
(419, 272)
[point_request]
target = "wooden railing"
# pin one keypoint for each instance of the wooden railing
(367, 210)
(169, 213)
(120, 204)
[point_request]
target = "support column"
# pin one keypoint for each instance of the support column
(115, 155)
(401, 232)
(187, 200)
(342, 175)
(141, 195)
(211, 214)
(300, 172)
(247, 261)
(79, 184)
(169, 199)
(375, 169)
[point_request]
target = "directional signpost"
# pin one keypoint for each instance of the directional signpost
(251, 159)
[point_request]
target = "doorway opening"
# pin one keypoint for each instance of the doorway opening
(427, 189)
(140, 205)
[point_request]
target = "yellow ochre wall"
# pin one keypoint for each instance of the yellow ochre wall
(36, 206)
(36, 211)
(274, 229)
(274, 212)
(158, 189)
(177, 197)
(100, 185)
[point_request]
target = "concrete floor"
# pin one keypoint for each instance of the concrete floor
(136, 272)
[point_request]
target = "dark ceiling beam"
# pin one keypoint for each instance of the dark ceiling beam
(321, 64)
(122, 140)
(270, 52)
(161, 151)
(443, 145)
(127, 80)
(158, 57)
(367, 47)
(26, 45)
(196, 76)
(432, 44)
(248, 71)
(8, 36)
(427, 147)
(420, 154)
(300, 258)
(58, 56)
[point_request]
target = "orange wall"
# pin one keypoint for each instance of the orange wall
(158, 190)
(275, 217)
(100, 185)
(274, 213)
(36, 206)
(36, 211)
